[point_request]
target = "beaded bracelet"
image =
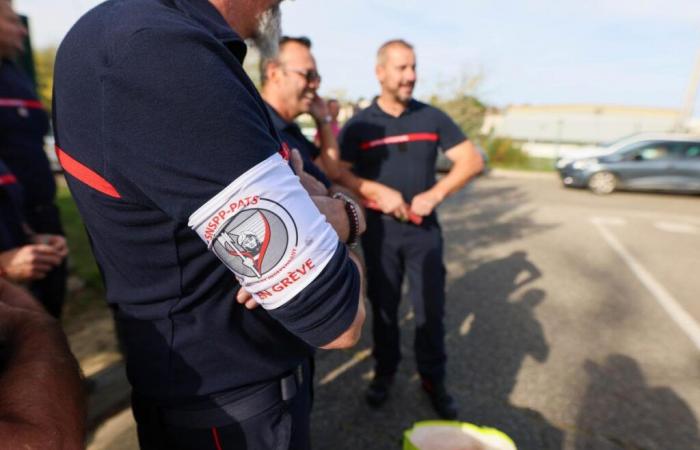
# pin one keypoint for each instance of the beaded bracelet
(353, 219)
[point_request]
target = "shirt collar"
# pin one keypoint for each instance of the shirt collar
(203, 12)
(277, 120)
(376, 110)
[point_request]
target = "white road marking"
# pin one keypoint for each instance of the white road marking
(679, 315)
(615, 221)
(675, 227)
(341, 369)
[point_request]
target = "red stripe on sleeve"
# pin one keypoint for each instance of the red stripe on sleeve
(411, 137)
(20, 103)
(217, 440)
(7, 179)
(85, 174)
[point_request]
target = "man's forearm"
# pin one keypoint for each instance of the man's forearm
(350, 337)
(330, 153)
(364, 188)
(42, 402)
(466, 165)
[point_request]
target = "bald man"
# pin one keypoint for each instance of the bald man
(392, 147)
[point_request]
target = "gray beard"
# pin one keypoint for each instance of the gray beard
(269, 31)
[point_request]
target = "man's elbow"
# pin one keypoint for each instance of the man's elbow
(352, 335)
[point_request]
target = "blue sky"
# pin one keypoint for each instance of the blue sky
(629, 52)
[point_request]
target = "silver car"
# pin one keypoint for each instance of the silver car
(671, 164)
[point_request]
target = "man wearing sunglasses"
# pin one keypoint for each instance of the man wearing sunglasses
(290, 81)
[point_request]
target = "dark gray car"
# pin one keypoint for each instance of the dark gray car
(657, 165)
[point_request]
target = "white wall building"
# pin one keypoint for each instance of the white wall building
(545, 130)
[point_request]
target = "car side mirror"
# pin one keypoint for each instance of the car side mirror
(638, 158)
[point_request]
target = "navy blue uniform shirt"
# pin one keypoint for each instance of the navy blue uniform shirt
(290, 133)
(154, 115)
(399, 152)
(23, 125)
(11, 232)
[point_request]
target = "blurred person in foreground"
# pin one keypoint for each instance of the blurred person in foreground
(25, 257)
(23, 125)
(290, 81)
(176, 168)
(392, 146)
(42, 402)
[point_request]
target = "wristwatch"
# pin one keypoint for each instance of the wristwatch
(351, 209)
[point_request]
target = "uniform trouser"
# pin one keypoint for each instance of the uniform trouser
(392, 249)
(51, 290)
(281, 427)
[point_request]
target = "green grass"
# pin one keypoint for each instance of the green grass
(530, 164)
(89, 295)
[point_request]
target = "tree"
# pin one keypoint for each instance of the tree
(461, 104)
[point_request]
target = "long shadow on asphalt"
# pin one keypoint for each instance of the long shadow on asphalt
(495, 329)
(621, 410)
(488, 336)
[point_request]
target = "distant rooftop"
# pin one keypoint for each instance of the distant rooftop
(577, 123)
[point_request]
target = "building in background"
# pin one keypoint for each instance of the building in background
(547, 130)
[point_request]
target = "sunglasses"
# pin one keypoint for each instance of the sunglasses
(309, 75)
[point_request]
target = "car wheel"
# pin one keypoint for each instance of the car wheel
(602, 183)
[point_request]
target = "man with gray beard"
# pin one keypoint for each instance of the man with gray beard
(180, 178)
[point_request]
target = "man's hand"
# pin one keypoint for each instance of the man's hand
(30, 262)
(390, 201)
(424, 203)
(318, 109)
(56, 241)
(244, 298)
(311, 184)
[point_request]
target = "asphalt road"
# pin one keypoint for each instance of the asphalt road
(573, 323)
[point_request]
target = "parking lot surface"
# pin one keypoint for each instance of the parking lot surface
(572, 323)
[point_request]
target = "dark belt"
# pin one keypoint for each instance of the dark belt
(281, 390)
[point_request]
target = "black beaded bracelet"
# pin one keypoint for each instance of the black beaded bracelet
(353, 219)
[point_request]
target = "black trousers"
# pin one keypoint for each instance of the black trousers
(393, 249)
(51, 290)
(284, 426)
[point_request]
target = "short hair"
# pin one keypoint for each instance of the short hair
(381, 53)
(284, 40)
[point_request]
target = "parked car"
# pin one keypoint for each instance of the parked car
(646, 162)
(443, 164)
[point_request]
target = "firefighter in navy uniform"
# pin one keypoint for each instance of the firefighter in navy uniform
(174, 165)
(24, 258)
(23, 125)
(393, 146)
(290, 81)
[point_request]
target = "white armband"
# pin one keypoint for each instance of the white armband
(267, 230)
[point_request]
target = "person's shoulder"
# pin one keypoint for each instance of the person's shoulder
(111, 25)
(425, 108)
(359, 119)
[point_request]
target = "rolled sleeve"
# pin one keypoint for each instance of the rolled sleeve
(328, 306)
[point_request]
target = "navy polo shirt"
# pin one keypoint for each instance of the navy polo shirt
(11, 232)
(154, 116)
(290, 133)
(399, 152)
(23, 125)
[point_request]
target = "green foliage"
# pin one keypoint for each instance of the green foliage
(505, 152)
(89, 293)
(466, 110)
(43, 62)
